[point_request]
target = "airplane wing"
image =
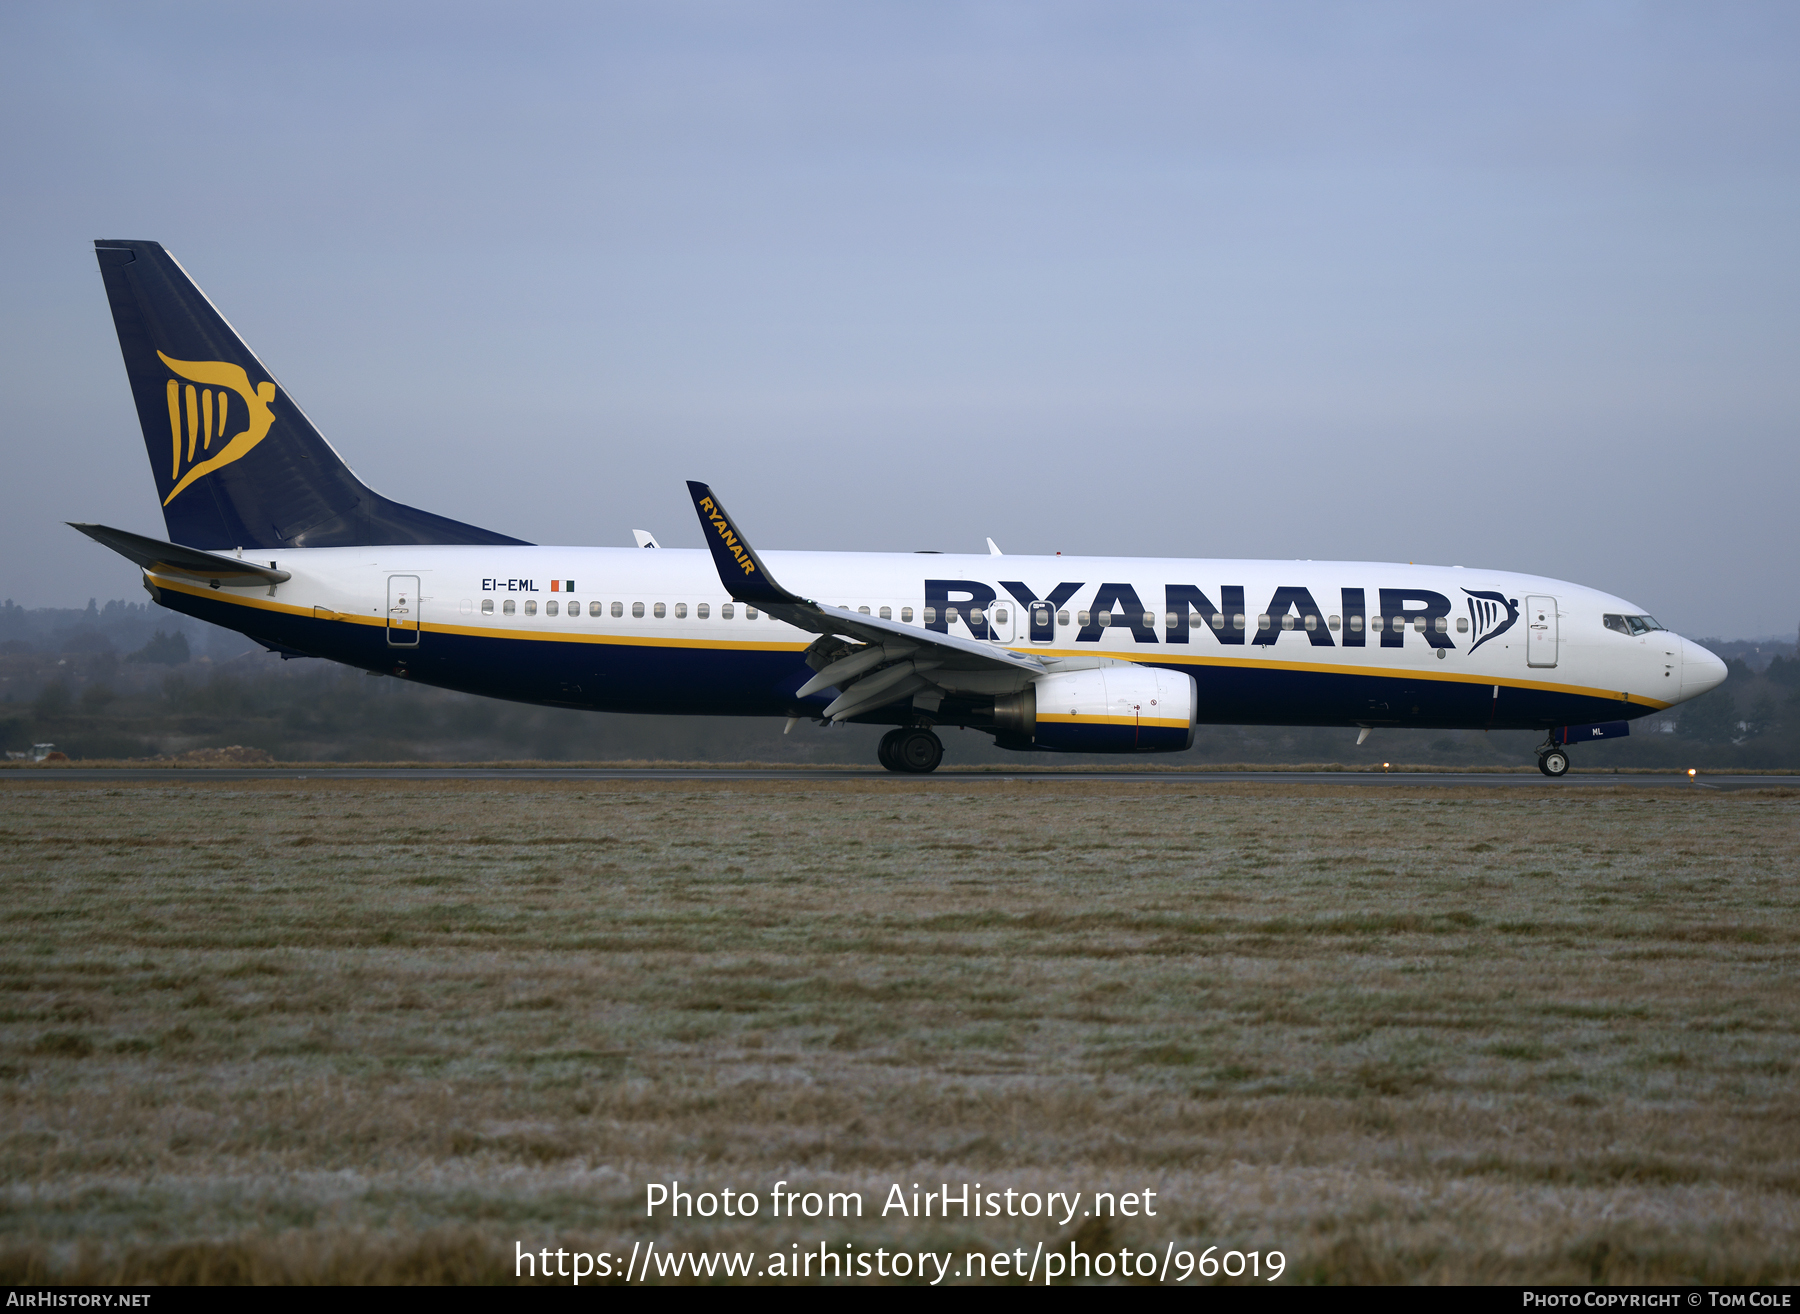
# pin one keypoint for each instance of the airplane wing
(172, 559)
(897, 660)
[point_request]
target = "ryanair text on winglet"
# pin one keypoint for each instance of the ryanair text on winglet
(724, 528)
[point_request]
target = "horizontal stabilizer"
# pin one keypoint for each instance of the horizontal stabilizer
(172, 559)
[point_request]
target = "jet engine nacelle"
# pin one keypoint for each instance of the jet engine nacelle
(1111, 709)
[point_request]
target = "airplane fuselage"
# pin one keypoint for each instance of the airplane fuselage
(1267, 642)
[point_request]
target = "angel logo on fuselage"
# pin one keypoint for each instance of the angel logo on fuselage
(1485, 608)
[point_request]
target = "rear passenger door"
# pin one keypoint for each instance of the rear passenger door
(403, 611)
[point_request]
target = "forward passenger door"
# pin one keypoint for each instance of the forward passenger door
(1540, 631)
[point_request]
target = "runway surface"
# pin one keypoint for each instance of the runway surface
(728, 775)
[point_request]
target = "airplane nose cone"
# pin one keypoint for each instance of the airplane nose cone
(1700, 670)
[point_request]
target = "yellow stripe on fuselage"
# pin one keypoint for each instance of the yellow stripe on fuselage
(1165, 722)
(474, 631)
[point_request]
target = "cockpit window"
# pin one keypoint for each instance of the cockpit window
(1630, 624)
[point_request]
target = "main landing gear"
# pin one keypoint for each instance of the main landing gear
(1553, 761)
(913, 750)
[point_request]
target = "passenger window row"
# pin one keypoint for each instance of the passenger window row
(1219, 620)
(659, 610)
(1040, 617)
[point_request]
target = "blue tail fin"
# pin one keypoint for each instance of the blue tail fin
(237, 463)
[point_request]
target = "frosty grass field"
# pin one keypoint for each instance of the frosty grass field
(383, 1031)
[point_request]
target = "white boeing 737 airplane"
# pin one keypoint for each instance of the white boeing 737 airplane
(272, 535)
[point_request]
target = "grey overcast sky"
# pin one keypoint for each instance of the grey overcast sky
(1506, 284)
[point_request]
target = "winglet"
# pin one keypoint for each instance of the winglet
(740, 569)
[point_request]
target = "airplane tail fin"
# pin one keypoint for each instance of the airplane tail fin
(237, 463)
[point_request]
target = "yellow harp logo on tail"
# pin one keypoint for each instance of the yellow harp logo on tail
(207, 413)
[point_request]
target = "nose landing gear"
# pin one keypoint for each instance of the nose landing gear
(913, 750)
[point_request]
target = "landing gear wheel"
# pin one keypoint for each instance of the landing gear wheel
(916, 751)
(884, 751)
(1555, 763)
